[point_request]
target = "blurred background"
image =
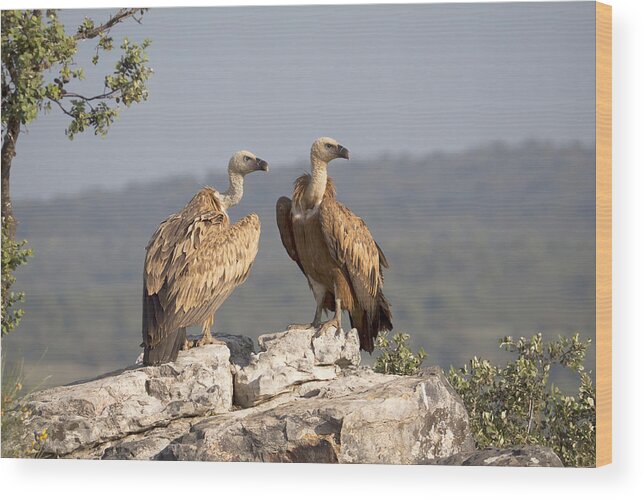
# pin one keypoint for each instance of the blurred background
(471, 131)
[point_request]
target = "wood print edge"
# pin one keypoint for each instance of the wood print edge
(603, 234)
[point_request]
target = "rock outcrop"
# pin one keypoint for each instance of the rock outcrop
(134, 400)
(526, 456)
(360, 417)
(288, 359)
(301, 398)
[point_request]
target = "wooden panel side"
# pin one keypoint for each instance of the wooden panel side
(603, 234)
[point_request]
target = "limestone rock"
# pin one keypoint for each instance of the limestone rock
(306, 400)
(290, 358)
(133, 400)
(141, 446)
(526, 455)
(360, 417)
(241, 348)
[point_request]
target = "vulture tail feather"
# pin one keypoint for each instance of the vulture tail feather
(369, 326)
(167, 350)
(385, 318)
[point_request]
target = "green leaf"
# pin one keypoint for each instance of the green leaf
(516, 404)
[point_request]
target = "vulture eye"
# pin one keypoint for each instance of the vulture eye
(246, 158)
(329, 146)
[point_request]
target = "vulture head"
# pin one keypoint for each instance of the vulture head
(327, 149)
(244, 162)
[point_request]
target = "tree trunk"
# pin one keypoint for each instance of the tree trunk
(8, 152)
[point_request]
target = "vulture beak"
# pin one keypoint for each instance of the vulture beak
(342, 152)
(262, 165)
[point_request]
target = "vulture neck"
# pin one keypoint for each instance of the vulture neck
(235, 191)
(317, 186)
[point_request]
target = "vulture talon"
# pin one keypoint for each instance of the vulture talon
(206, 339)
(187, 344)
(329, 324)
(301, 327)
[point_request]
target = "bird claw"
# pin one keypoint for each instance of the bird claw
(207, 339)
(204, 341)
(301, 327)
(331, 323)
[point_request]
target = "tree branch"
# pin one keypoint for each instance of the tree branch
(121, 15)
(106, 95)
(62, 108)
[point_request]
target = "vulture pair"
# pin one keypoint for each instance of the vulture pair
(196, 258)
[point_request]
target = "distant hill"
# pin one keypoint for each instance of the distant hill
(490, 241)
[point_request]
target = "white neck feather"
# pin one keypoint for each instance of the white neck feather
(235, 191)
(317, 186)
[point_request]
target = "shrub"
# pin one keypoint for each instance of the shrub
(396, 356)
(13, 255)
(516, 404)
(16, 441)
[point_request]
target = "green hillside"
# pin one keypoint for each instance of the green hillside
(488, 242)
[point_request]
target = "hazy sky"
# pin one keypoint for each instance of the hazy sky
(394, 78)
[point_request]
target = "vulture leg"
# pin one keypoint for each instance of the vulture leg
(338, 312)
(207, 339)
(187, 344)
(336, 321)
(319, 294)
(312, 325)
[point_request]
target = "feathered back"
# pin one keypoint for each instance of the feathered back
(169, 248)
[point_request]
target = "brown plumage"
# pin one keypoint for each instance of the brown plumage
(194, 261)
(335, 250)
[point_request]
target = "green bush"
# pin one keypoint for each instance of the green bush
(13, 255)
(16, 441)
(396, 356)
(516, 404)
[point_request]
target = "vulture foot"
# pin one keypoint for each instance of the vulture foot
(331, 323)
(302, 327)
(187, 344)
(207, 339)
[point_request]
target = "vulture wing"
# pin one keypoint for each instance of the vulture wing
(383, 260)
(220, 262)
(353, 248)
(172, 247)
(284, 222)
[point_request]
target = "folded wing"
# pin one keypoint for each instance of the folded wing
(191, 267)
(284, 223)
(353, 248)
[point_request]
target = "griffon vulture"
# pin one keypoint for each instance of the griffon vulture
(335, 250)
(194, 260)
